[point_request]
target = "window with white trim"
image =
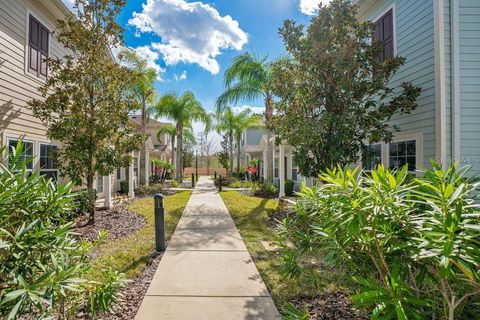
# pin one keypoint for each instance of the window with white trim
(38, 48)
(294, 170)
(99, 183)
(48, 164)
(27, 152)
(371, 156)
(275, 168)
(402, 153)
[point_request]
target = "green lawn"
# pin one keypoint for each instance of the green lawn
(250, 215)
(130, 254)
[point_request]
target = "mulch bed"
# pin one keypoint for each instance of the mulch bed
(118, 221)
(330, 305)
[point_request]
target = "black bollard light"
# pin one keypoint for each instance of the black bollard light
(193, 180)
(159, 222)
(215, 176)
(196, 176)
(220, 183)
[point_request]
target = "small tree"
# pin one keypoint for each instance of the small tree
(87, 97)
(333, 90)
(224, 155)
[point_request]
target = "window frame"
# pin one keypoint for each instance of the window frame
(33, 162)
(40, 170)
(382, 147)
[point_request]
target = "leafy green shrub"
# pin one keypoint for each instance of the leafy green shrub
(411, 244)
(149, 190)
(153, 179)
(41, 261)
(226, 181)
(124, 187)
(264, 190)
(81, 201)
(175, 183)
(289, 185)
(105, 291)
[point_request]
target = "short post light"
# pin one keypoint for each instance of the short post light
(220, 183)
(159, 222)
(193, 180)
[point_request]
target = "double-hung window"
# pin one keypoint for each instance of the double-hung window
(26, 155)
(384, 34)
(48, 163)
(275, 168)
(371, 156)
(37, 48)
(403, 153)
(99, 183)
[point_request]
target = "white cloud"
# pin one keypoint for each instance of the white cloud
(310, 7)
(182, 76)
(151, 56)
(255, 110)
(190, 32)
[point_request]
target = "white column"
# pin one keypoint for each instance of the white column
(281, 171)
(147, 167)
(131, 193)
(107, 191)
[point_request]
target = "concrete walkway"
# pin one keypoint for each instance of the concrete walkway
(206, 271)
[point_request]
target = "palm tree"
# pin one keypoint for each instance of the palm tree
(183, 110)
(248, 79)
(244, 120)
(226, 123)
(144, 90)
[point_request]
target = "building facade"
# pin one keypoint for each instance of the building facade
(26, 39)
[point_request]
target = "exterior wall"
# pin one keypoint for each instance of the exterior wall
(254, 135)
(414, 40)
(469, 73)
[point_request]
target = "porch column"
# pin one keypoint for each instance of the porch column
(289, 165)
(131, 193)
(265, 164)
(147, 167)
(107, 190)
(281, 171)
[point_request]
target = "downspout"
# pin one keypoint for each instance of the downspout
(455, 56)
(439, 41)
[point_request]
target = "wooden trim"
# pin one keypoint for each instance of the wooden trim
(455, 65)
(439, 33)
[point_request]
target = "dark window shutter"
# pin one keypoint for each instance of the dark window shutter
(384, 33)
(38, 48)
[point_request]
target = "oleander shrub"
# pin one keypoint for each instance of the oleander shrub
(412, 245)
(149, 190)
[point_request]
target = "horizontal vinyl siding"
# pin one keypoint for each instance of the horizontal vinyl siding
(469, 29)
(16, 86)
(414, 40)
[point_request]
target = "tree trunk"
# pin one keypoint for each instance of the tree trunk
(238, 155)
(172, 160)
(230, 151)
(179, 171)
(91, 199)
(268, 119)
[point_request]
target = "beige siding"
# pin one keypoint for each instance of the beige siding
(17, 87)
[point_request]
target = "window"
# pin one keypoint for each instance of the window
(371, 156)
(27, 152)
(294, 170)
(99, 183)
(119, 173)
(402, 153)
(384, 34)
(48, 164)
(37, 48)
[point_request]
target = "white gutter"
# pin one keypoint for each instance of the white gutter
(439, 41)
(455, 60)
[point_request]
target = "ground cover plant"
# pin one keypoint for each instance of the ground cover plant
(411, 243)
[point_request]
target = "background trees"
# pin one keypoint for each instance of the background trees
(333, 90)
(183, 110)
(145, 93)
(247, 79)
(87, 97)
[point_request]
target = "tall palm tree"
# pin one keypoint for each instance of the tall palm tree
(226, 123)
(248, 79)
(243, 121)
(183, 110)
(145, 93)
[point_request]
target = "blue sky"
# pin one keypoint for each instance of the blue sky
(192, 43)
